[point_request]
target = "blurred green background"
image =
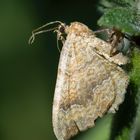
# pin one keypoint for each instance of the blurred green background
(28, 72)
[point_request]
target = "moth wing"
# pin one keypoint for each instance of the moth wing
(86, 87)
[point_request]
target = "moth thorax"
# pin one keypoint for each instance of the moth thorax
(78, 29)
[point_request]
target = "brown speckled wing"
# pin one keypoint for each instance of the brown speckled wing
(88, 85)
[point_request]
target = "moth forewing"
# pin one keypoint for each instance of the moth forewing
(89, 82)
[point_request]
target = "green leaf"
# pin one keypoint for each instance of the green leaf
(124, 19)
(123, 2)
(135, 73)
(125, 134)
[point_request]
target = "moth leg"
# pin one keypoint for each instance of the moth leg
(115, 37)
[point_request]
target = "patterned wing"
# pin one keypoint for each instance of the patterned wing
(87, 86)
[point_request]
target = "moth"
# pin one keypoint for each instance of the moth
(89, 83)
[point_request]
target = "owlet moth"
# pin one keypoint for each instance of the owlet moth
(89, 83)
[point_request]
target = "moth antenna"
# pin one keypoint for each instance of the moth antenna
(32, 38)
(40, 30)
